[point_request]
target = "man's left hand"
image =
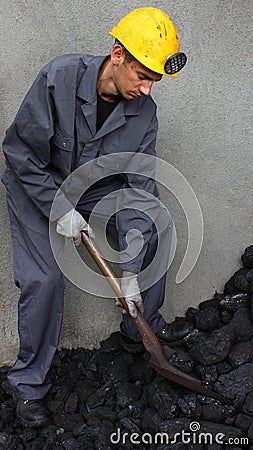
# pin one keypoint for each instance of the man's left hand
(131, 292)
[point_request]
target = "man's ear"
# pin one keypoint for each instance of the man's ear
(117, 54)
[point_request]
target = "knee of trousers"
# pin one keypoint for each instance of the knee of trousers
(46, 284)
(53, 280)
(163, 226)
(157, 256)
(164, 221)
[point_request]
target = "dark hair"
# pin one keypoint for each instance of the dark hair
(129, 57)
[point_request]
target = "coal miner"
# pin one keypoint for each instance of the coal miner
(79, 108)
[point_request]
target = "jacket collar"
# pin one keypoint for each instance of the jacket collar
(87, 89)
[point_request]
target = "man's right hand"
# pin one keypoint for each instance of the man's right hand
(71, 224)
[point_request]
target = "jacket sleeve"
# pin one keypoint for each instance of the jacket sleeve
(27, 144)
(138, 203)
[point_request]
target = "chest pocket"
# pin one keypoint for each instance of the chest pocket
(62, 148)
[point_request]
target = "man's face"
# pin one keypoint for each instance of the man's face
(132, 79)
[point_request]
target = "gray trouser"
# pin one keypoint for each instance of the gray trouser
(41, 286)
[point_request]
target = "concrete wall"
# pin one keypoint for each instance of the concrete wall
(205, 118)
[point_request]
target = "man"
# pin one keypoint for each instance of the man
(79, 108)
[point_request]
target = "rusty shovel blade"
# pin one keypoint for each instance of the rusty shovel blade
(159, 355)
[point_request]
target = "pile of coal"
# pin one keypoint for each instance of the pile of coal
(107, 398)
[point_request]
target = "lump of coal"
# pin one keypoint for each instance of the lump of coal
(223, 367)
(129, 425)
(208, 319)
(244, 281)
(189, 339)
(241, 281)
(243, 421)
(6, 413)
(247, 257)
(236, 383)
(7, 442)
(213, 347)
(151, 421)
(232, 302)
(117, 370)
(207, 373)
(71, 403)
(215, 411)
(99, 362)
(248, 405)
(241, 353)
(191, 315)
(85, 389)
(183, 361)
(243, 327)
(127, 393)
(251, 307)
(212, 303)
(226, 316)
(229, 288)
(28, 435)
(250, 434)
(163, 398)
(99, 397)
(190, 406)
(112, 344)
(141, 371)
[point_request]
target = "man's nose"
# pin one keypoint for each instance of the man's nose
(146, 87)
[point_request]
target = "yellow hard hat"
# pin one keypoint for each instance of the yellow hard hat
(152, 38)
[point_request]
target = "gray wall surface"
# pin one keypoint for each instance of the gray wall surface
(205, 118)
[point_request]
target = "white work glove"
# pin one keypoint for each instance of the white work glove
(131, 292)
(71, 224)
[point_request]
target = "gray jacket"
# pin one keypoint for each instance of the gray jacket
(55, 128)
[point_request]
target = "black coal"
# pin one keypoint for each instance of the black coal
(107, 392)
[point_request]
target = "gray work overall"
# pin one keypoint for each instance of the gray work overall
(53, 133)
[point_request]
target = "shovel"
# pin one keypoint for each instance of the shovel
(159, 355)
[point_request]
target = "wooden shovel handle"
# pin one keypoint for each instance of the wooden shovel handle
(105, 268)
(149, 338)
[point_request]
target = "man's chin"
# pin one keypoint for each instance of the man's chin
(131, 96)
